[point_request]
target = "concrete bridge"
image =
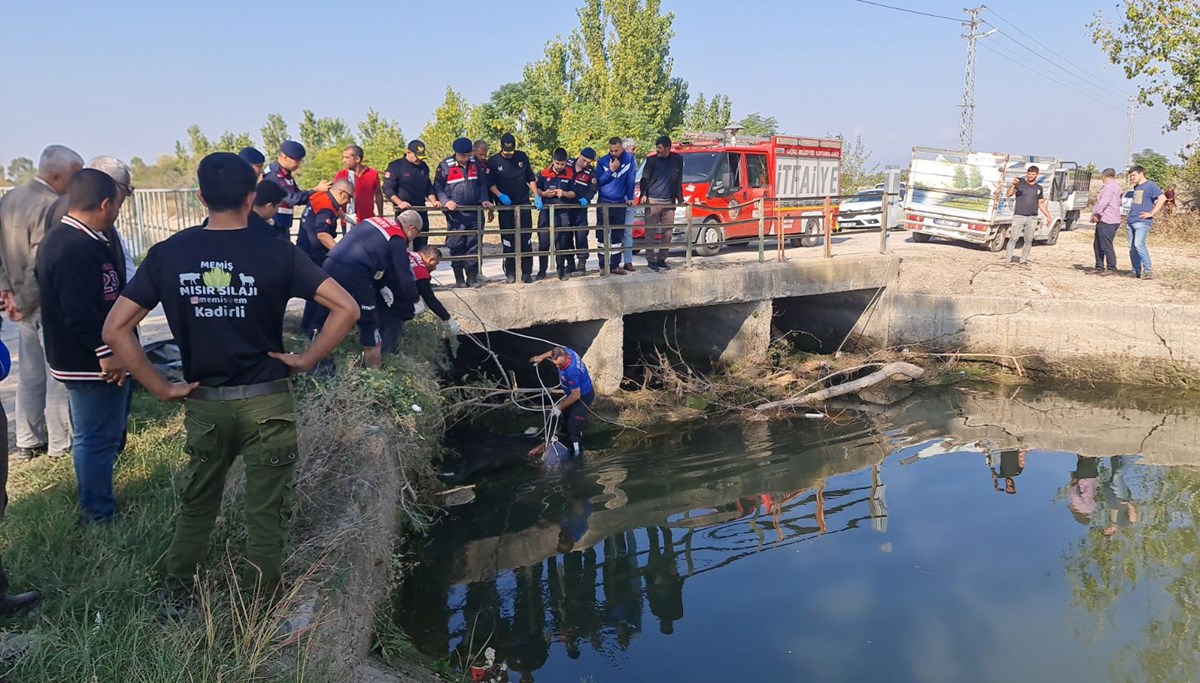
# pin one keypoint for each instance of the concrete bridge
(713, 312)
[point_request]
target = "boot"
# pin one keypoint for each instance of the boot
(460, 279)
(19, 603)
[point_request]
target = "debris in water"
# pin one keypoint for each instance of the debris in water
(814, 416)
(532, 431)
(459, 495)
(416, 408)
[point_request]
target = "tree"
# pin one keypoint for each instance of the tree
(1158, 167)
(449, 122)
(708, 116)
(1158, 42)
(274, 134)
(326, 132)
(758, 125)
(381, 139)
(188, 156)
(975, 181)
(21, 170)
(960, 177)
(856, 173)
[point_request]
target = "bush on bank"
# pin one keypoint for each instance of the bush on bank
(365, 474)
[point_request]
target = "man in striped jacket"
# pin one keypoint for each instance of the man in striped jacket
(79, 282)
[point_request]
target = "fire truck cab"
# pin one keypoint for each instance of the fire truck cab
(726, 175)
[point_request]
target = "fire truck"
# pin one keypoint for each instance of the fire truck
(725, 174)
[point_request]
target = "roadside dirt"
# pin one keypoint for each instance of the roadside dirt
(1057, 271)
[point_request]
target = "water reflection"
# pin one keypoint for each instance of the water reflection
(772, 526)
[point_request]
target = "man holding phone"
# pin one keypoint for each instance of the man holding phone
(1025, 216)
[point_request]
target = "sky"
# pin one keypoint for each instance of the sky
(128, 77)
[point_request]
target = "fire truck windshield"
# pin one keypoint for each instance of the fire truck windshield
(698, 166)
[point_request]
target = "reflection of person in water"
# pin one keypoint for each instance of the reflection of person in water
(573, 584)
(1081, 490)
(1121, 511)
(1012, 463)
(664, 586)
(531, 641)
(573, 524)
(622, 586)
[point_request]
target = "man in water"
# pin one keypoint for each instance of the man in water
(573, 408)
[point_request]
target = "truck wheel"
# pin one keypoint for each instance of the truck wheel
(812, 234)
(921, 237)
(1069, 221)
(997, 242)
(1052, 238)
(709, 238)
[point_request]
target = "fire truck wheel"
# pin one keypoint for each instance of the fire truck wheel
(812, 233)
(920, 237)
(708, 239)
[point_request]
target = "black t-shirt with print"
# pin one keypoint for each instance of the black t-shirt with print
(224, 293)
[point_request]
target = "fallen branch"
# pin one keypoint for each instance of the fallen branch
(986, 357)
(906, 370)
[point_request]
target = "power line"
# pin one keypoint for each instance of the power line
(957, 20)
(1093, 83)
(1053, 52)
(1053, 79)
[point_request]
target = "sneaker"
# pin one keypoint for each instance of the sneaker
(540, 276)
(28, 454)
(527, 279)
(1147, 275)
(653, 265)
(628, 268)
(1107, 272)
(510, 279)
(564, 276)
(19, 603)
(663, 265)
(619, 271)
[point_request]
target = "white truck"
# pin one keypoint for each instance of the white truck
(962, 195)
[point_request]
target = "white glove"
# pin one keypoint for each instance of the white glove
(351, 218)
(555, 412)
(387, 295)
(453, 325)
(419, 307)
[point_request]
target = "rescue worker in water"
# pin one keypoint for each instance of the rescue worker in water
(573, 408)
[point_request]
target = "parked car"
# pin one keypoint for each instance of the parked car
(1126, 203)
(864, 209)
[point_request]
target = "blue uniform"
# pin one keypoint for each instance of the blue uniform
(575, 376)
(575, 416)
(467, 185)
(292, 195)
(373, 254)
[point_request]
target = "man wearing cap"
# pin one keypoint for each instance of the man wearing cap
(371, 262)
(367, 201)
(556, 188)
(255, 158)
(512, 184)
(406, 183)
(585, 190)
(462, 181)
(291, 157)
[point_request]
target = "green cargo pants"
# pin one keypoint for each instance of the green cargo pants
(262, 430)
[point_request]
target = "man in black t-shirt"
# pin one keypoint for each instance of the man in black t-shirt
(224, 289)
(512, 181)
(1025, 215)
(407, 183)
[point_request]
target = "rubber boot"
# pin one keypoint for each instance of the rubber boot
(460, 279)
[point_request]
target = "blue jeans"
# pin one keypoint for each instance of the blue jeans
(99, 412)
(1139, 255)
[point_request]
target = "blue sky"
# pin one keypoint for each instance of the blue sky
(128, 77)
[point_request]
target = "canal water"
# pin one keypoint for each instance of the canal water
(962, 535)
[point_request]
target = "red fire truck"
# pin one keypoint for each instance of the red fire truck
(724, 176)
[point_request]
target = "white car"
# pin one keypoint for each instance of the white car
(1126, 203)
(862, 210)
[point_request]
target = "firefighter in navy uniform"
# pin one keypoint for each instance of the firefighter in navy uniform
(585, 188)
(512, 183)
(406, 184)
(372, 263)
(462, 181)
(318, 230)
(291, 157)
(555, 187)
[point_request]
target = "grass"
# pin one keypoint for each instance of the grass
(101, 582)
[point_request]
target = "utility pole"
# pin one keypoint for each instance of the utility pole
(1129, 133)
(966, 125)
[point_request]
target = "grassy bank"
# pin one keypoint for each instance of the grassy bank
(365, 474)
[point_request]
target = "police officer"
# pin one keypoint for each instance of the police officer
(406, 184)
(555, 188)
(371, 262)
(291, 157)
(462, 181)
(255, 158)
(512, 184)
(585, 189)
(576, 383)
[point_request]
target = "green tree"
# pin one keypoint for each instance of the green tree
(1158, 167)
(164, 173)
(198, 146)
(274, 134)
(320, 165)
(857, 171)
(759, 125)
(1157, 42)
(381, 139)
(708, 116)
(960, 178)
(21, 170)
(449, 122)
(323, 133)
(1189, 177)
(975, 180)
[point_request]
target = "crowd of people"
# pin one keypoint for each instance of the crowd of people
(70, 284)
